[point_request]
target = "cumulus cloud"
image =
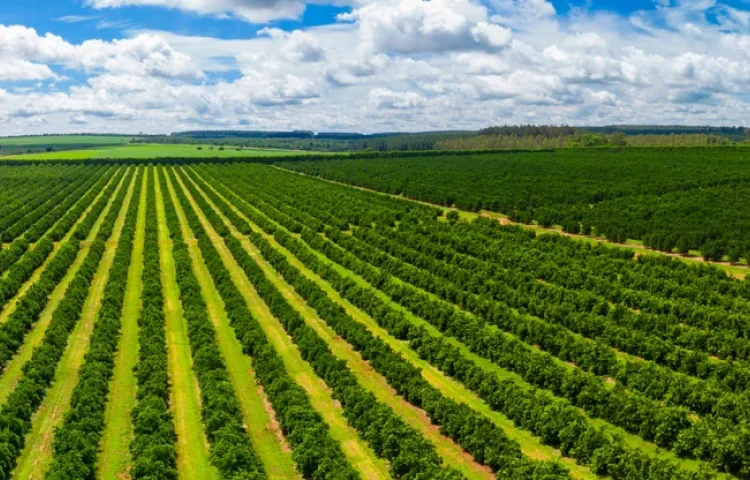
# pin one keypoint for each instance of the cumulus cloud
(298, 45)
(20, 70)
(256, 11)
(388, 99)
(412, 26)
(142, 55)
(387, 65)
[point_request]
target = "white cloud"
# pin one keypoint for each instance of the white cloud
(256, 11)
(387, 65)
(142, 55)
(19, 70)
(385, 98)
(412, 26)
(298, 45)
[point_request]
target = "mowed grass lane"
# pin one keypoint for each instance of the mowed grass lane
(192, 446)
(115, 459)
(371, 380)
(268, 440)
(356, 451)
(14, 370)
(37, 454)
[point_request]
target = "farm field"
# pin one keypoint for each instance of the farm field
(211, 321)
(40, 144)
(687, 201)
(152, 150)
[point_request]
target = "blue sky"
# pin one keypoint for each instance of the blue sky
(369, 65)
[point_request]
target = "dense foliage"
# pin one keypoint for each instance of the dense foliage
(519, 346)
(476, 434)
(673, 200)
(438, 252)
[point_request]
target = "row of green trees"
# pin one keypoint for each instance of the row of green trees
(9, 256)
(662, 424)
(232, 451)
(476, 434)
(109, 179)
(552, 322)
(681, 200)
(493, 268)
(524, 406)
(315, 452)
(39, 371)
(76, 443)
(697, 306)
(55, 211)
(49, 207)
(154, 444)
(28, 196)
(410, 456)
(667, 425)
(30, 305)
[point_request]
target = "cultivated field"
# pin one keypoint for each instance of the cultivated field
(241, 321)
(152, 150)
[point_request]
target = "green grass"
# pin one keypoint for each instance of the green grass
(14, 370)
(154, 150)
(192, 447)
(37, 454)
(115, 459)
(40, 144)
(266, 435)
(354, 448)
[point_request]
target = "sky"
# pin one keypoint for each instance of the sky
(159, 66)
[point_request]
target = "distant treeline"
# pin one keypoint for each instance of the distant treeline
(505, 137)
(302, 140)
(544, 131)
(541, 137)
(580, 140)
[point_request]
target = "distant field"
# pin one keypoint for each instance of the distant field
(40, 144)
(65, 140)
(149, 150)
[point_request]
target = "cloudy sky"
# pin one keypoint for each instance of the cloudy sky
(158, 66)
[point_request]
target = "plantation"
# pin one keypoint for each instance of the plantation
(679, 200)
(239, 320)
